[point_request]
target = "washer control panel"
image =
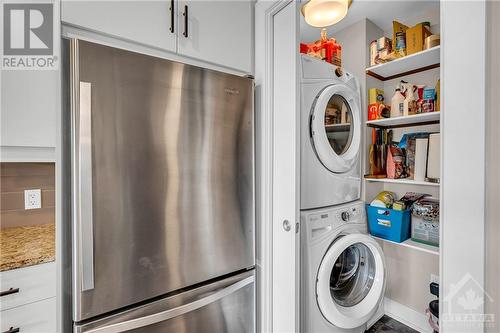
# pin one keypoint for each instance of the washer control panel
(351, 214)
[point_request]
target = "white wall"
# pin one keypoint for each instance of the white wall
(492, 227)
(463, 147)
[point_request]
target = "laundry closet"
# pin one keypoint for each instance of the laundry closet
(393, 50)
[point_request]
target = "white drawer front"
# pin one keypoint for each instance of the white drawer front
(38, 317)
(35, 283)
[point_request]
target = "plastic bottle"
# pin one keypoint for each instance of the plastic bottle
(409, 104)
(397, 104)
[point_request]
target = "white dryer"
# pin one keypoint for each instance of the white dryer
(343, 270)
(330, 135)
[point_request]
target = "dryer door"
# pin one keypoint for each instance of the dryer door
(351, 281)
(335, 124)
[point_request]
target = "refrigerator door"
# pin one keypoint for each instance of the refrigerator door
(162, 177)
(224, 306)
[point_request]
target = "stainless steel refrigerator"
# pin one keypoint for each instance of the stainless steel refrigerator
(162, 195)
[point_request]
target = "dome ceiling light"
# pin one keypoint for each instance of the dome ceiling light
(322, 13)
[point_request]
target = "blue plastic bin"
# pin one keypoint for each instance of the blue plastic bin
(390, 224)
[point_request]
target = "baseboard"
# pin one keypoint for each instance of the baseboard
(411, 318)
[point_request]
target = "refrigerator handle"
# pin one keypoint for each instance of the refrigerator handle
(85, 187)
(175, 312)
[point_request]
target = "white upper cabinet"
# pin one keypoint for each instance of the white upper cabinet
(220, 32)
(29, 105)
(217, 32)
(151, 23)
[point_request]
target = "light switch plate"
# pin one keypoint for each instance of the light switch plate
(32, 199)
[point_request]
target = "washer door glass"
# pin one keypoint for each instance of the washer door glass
(352, 275)
(338, 124)
(336, 127)
(351, 281)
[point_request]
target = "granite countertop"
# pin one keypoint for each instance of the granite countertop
(26, 246)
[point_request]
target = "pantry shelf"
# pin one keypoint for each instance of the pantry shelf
(413, 120)
(402, 181)
(414, 245)
(415, 63)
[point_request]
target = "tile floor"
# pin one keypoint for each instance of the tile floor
(388, 325)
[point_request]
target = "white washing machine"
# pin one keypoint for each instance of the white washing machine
(330, 135)
(343, 271)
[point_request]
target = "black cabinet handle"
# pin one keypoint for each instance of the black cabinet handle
(172, 22)
(13, 330)
(9, 292)
(185, 33)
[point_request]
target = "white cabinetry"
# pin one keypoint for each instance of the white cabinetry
(38, 317)
(217, 32)
(144, 22)
(29, 104)
(28, 300)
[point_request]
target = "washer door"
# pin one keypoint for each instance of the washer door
(336, 128)
(351, 281)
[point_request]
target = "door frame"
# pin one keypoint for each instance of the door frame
(277, 251)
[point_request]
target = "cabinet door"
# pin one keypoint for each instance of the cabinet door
(219, 32)
(29, 103)
(151, 23)
(27, 285)
(38, 317)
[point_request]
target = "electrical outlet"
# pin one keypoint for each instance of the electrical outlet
(434, 278)
(32, 199)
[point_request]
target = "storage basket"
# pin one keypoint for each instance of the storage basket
(390, 224)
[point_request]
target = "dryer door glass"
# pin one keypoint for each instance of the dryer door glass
(352, 275)
(336, 128)
(338, 124)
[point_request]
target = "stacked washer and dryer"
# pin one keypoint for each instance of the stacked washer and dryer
(342, 267)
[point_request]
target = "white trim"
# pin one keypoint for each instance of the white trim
(27, 154)
(405, 315)
(264, 15)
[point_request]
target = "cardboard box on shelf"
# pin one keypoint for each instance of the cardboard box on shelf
(415, 38)
(397, 27)
(375, 96)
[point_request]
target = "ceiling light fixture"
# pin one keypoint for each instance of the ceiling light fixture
(322, 13)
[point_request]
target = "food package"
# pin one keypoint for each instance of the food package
(384, 199)
(383, 43)
(408, 143)
(375, 96)
(415, 38)
(407, 200)
(397, 27)
(426, 208)
(438, 96)
(378, 111)
(396, 166)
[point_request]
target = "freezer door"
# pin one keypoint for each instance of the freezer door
(224, 306)
(163, 177)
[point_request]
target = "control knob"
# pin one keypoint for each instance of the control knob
(345, 216)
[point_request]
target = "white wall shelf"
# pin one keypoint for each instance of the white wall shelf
(414, 245)
(402, 181)
(414, 63)
(413, 120)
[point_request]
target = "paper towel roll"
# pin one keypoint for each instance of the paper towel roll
(420, 159)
